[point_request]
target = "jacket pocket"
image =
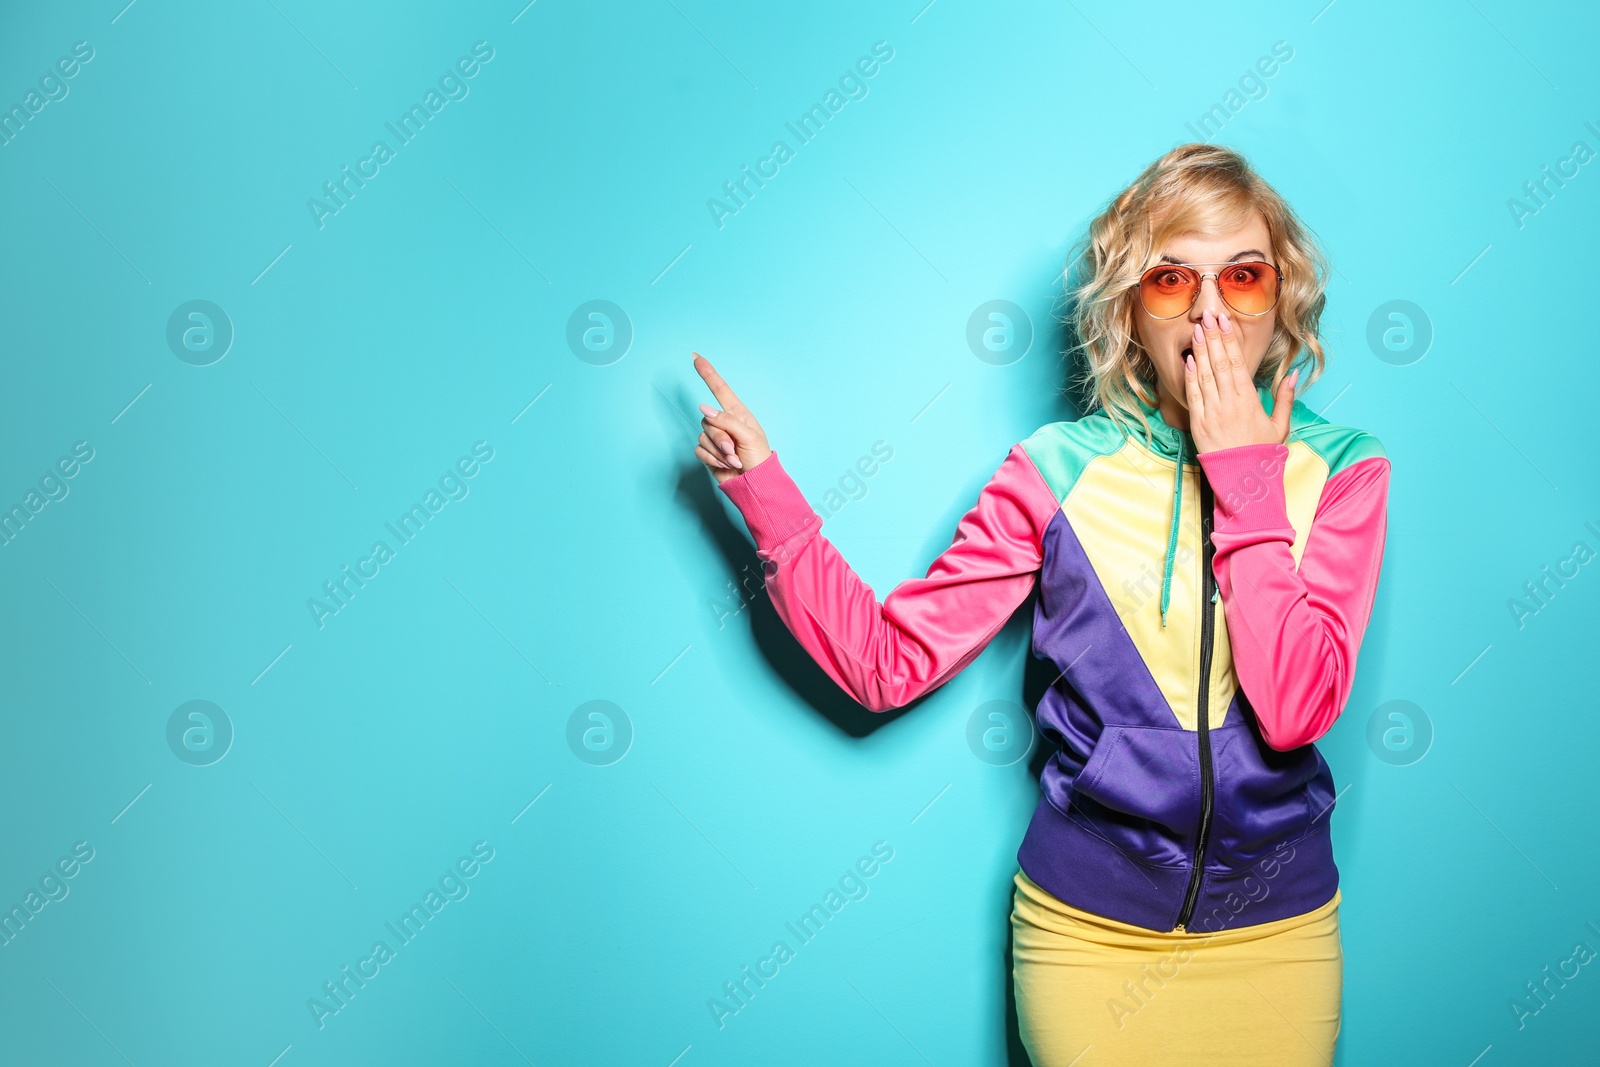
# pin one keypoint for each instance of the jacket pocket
(1262, 796)
(1140, 790)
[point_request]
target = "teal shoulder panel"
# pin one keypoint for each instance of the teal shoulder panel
(1061, 450)
(1339, 446)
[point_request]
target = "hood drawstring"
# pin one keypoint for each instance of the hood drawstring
(1168, 435)
(1172, 536)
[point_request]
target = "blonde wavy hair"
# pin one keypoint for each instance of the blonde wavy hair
(1193, 188)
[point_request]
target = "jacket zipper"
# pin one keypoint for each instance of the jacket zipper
(1207, 623)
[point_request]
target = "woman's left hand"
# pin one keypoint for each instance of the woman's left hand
(1224, 408)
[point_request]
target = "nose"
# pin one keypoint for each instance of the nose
(1210, 299)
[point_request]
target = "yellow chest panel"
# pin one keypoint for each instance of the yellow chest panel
(1120, 510)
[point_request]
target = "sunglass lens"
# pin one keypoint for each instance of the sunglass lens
(1249, 288)
(1168, 291)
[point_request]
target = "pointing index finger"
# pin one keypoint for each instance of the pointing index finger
(726, 398)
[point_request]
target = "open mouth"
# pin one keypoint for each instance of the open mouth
(1188, 350)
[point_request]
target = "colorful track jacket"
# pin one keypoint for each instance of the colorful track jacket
(1203, 621)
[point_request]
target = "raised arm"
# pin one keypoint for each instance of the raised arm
(1295, 632)
(927, 629)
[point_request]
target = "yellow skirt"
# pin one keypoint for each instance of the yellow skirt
(1094, 992)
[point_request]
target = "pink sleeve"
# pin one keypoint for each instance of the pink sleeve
(927, 629)
(1295, 632)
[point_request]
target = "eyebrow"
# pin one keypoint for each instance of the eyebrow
(1256, 252)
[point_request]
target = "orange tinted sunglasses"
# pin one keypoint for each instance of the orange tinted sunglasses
(1168, 290)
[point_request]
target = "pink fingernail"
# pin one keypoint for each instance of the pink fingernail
(707, 409)
(1227, 323)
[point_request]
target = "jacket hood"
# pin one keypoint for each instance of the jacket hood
(1165, 441)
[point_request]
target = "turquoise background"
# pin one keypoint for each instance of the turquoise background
(592, 559)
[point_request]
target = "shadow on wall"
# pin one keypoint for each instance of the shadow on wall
(789, 660)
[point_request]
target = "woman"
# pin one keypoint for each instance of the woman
(1206, 569)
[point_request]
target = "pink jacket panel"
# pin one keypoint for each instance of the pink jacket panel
(926, 630)
(1294, 631)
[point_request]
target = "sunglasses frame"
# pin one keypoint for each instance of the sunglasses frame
(1277, 291)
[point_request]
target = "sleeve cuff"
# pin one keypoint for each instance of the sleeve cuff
(1248, 483)
(772, 505)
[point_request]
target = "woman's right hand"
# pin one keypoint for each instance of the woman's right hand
(731, 440)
